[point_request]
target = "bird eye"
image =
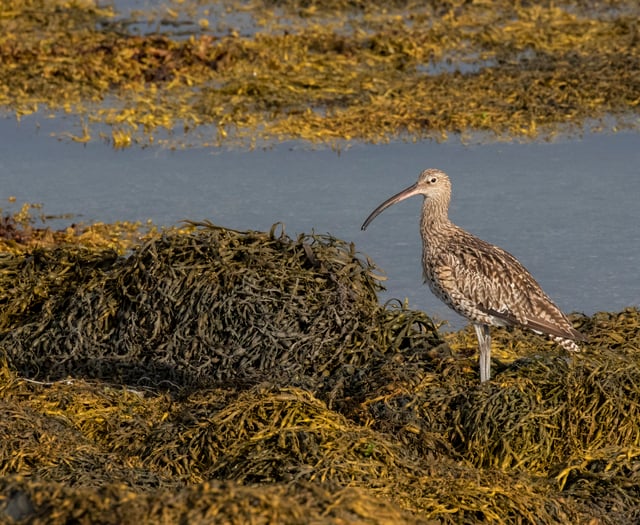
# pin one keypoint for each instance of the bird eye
(432, 180)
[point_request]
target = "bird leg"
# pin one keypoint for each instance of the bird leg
(484, 346)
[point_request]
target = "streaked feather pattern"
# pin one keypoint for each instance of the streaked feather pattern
(480, 281)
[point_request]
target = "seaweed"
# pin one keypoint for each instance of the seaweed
(190, 308)
(323, 72)
(209, 375)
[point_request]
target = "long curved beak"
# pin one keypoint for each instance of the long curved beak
(404, 194)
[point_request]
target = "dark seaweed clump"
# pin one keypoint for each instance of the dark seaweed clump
(216, 376)
(212, 306)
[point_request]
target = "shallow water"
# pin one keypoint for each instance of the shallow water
(569, 210)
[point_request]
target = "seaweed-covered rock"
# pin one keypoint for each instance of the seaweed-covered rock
(210, 305)
(543, 411)
(215, 375)
(91, 453)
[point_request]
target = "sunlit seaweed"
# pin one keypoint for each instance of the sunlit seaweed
(210, 374)
(326, 73)
(25, 230)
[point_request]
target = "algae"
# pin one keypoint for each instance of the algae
(188, 307)
(29, 227)
(214, 375)
(200, 374)
(322, 72)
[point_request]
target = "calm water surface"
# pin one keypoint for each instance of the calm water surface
(569, 210)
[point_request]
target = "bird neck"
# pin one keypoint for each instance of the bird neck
(435, 217)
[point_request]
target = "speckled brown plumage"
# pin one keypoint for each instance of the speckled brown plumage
(480, 281)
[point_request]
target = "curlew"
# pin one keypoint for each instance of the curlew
(478, 280)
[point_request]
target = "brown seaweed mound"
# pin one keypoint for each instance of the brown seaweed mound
(91, 453)
(212, 305)
(216, 376)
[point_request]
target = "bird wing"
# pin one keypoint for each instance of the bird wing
(541, 325)
(474, 272)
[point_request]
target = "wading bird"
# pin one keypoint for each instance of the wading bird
(478, 280)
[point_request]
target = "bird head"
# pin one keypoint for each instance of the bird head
(432, 184)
